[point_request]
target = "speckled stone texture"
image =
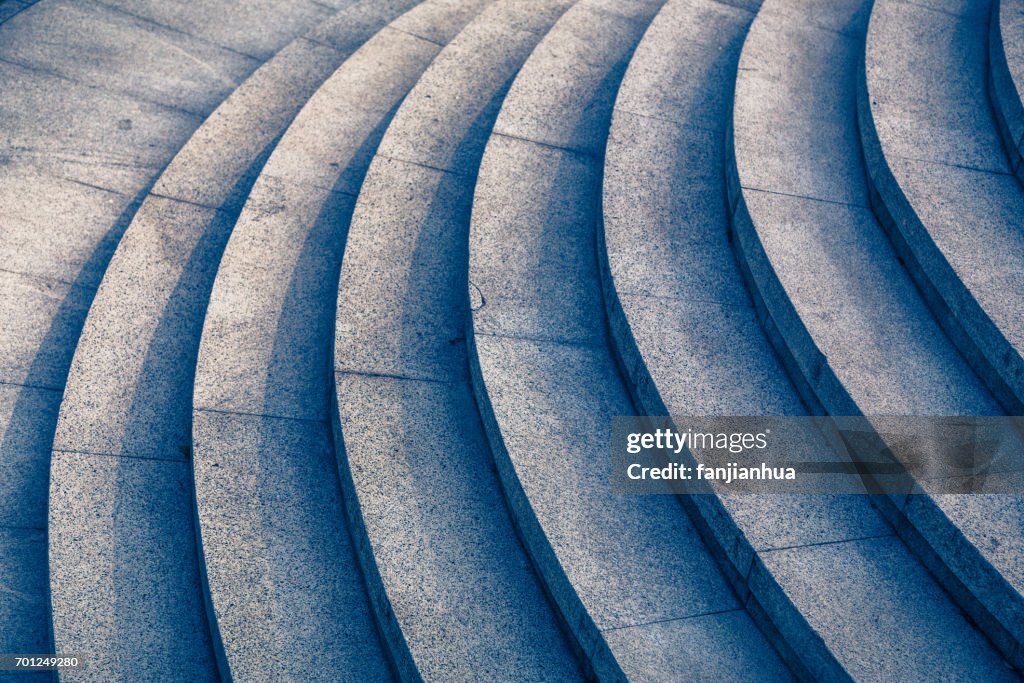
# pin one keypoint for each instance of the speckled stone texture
(1006, 77)
(96, 102)
(314, 315)
(942, 181)
(263, 381)
(942, 187)
(547, 383)
(129, 390)
(440, 545)
(689, 335)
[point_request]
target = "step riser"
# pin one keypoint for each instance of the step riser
(128, 362)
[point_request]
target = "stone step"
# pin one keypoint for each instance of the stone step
(281, 567)
(1006, 77)
(689, 341)
(547, 384)
(315, 315)
(840, 307)
(438, 547)
(120, 464)
(87, 125)
(941, 182)
(9, 8)
(943, 190)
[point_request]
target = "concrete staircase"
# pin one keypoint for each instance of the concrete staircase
(316, 314)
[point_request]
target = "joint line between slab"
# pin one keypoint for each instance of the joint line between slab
(579, 152)
(664, 119)
(963, 167)
(696, 301)
(673, 619)
(545, 340)
(198, 115)
(242, 413)
(129, 456)
(835, 202)
(385, 375)
(154, 22)
(416, 35)
(765, 551)
(420, 164)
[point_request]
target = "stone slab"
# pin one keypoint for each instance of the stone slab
(664, 213)
(532, 245)
(124, 575)
(564, 94)
(258, 29)
(449, 115)
(671, 76)
(218, 164)
(130, 385)
(31, 203)
(357, 22)
(281, 569)
(709, 359)
(462, 588)
(554, 403)
(267, 330)
(359, 98)
(113, 51)
(872, 326)
(891, 607)
(926, 79)
(792, 129)
(979, 239)
(402, 302)
(84, 133)
(978, 537)
(441, 20)
(716, 647)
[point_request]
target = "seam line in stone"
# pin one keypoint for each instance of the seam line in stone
(269, 416)
(672, 619)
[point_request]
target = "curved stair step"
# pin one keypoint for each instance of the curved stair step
(121, 511)
(440, 554)
(284, 578)
(690, 342)
(941, 182)
(1006, 77)
(79, 147)
(630, 575)
(9, 8)
(866, 343)
(942, 190)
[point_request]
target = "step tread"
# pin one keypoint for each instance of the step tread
(418, 475)
(691, 342)
(951, 207)
(79, 144)
(125, 422)
(548, 386)
(943, 178)
(263, 371)
(1006, 77)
